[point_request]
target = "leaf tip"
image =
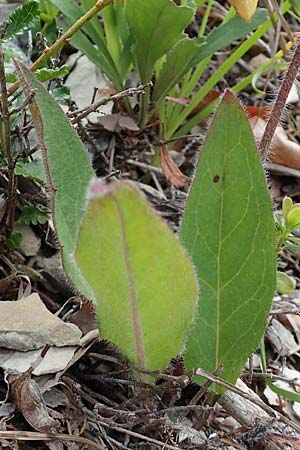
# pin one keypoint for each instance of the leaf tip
(228, 96)
(97, 188)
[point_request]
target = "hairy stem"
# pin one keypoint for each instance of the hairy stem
(280, 102)
(7, 220)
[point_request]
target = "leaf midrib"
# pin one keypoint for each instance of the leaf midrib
(132, 288)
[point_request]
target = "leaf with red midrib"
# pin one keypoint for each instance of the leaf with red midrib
(142, 279)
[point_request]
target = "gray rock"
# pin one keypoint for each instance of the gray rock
(82, 81)
(6, 10)
(27, 324)
(30, 243)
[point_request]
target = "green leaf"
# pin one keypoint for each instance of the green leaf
(46, 74)
(229, 231)
(21, 19)
(177, 63)
(287, 204)
(285, 284)
(73, 12)
(142, 278)
(61, 93)
(292, 220)
(33, 169)
(10, 77)
(296, 5)
(155, 27)
(14, 241)
(33, 214)
(68, 171)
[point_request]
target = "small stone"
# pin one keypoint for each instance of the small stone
(82, 81)
(30, 243)
(258, 61)
(27, 324)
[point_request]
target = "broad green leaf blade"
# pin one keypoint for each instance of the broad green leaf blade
(141, 276)
(68, 171)
(176, 65)
(21, 19)
(229, 231)
(155, 27)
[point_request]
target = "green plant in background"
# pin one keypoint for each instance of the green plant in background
(286, 226)
(38, 214)
(149, 38)
(20, 20)
(23, 18)
(286, 240)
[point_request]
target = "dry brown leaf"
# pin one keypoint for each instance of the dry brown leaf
(245, 8)
(28, 325)
(85, 318)
(291, 321)
(170, 170)
(30, 403)
(117, 122)
(283, 151)
(183, 101)
(259, 111)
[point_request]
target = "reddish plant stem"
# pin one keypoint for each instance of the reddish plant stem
(280, 102)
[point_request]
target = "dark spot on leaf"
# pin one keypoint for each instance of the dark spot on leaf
(216, 178)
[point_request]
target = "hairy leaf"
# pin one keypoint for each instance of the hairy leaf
(142, 278)
(229, 231)
(21, 19)
(32, 169)
(155, 27)
(67, 167)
